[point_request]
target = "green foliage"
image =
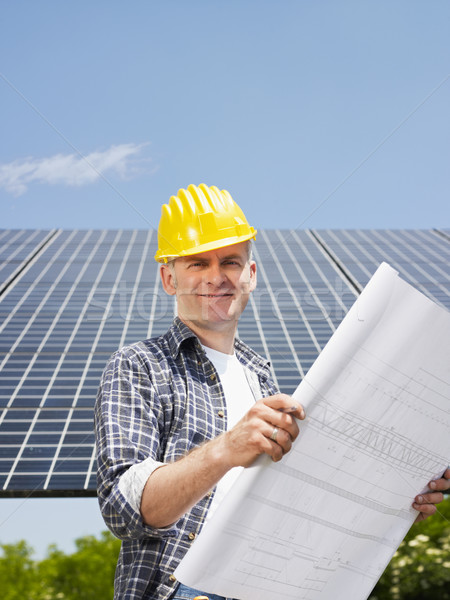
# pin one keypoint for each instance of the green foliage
(17, 572)
(420, 569)
(86, 574)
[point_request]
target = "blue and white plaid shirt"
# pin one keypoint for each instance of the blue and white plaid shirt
(158, 399)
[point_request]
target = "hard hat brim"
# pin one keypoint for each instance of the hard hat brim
(215, 245)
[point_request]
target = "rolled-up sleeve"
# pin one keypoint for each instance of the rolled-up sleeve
(129, 419)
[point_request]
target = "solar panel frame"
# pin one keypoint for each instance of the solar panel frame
(69, 298)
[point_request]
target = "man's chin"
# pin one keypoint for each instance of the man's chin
(212, 320)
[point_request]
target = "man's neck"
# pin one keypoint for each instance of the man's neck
(220, 339)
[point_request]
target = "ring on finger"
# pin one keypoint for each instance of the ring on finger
(273, 437)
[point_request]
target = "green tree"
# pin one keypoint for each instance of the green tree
(420, 569)
(18, 580)
(87, 574)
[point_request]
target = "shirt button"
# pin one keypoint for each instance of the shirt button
(191, 536)
(172, 578)
(213, 377)
(221, 413)
(209, 494)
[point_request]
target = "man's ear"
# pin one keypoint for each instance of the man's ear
(168, 279)
(253, 277)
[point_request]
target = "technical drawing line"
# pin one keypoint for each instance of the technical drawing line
(326, 413)
(397, 372)
(376, 439)
(257, 542)
(307, 517)
(393, 467)
(376, 506)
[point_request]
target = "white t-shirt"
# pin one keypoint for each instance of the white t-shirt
(239, 399)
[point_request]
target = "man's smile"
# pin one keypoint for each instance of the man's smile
(224, 295)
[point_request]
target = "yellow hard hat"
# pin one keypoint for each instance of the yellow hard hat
(200, 219)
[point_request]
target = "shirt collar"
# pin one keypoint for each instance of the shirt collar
(179, 333)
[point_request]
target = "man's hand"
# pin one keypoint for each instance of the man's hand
(426, 503)
(269, 427)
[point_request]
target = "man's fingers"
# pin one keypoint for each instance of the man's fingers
(285, 404)
(270, 427)
(423, 515)
(426, 504)
(276, 452)
(442, 484)
(285, 423)
(280, 437)
(262, 416)
(425, 509)
(426, 499)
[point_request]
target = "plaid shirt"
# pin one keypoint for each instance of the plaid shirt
(158, 399)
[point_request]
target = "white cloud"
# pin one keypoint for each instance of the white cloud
(70, 169)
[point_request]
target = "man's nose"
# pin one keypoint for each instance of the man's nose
(215, 275)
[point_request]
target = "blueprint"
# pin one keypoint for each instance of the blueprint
(323, 523)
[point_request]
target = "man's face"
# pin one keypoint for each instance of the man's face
(212, 288)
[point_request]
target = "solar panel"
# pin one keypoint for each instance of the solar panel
(16, 250)
(69, 298)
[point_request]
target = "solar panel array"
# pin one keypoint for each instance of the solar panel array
(68, 299)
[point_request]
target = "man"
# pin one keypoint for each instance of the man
(178, 415)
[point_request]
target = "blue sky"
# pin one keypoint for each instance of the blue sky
(312, 114)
